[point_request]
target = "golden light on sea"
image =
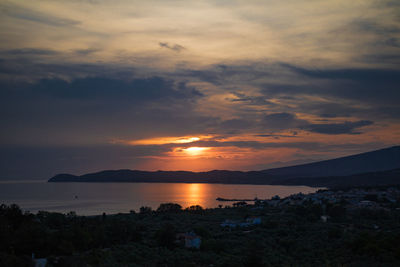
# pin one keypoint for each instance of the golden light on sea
(194, 192)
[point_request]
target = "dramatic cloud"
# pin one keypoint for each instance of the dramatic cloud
(31, 15)
(282, 121)
(252, 100)
(250, 83)
(370, 85)
(101, 108)
(175, 47)
(28, 51)
(337, 128)
(138, 90)
(85, 52)
(237, 125)
(287, 121)
(277, 136)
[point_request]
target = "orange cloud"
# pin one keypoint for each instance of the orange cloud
(162, 140)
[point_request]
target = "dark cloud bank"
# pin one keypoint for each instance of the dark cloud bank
(84, 105)
(284, 121)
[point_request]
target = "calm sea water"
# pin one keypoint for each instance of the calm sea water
(96, 198)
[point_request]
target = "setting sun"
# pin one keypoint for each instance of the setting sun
(194, 151)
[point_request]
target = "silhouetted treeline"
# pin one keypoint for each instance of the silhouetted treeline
(293, 235)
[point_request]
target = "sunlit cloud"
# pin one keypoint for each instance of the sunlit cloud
(311, 33)
(163, 140)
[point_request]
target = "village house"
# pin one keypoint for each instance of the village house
(189, 239)
(249, 222)
(41, 262)
(254, 220)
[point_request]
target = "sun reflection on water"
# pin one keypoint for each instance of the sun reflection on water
(194, 193)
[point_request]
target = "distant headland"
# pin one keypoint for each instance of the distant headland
(380, 167)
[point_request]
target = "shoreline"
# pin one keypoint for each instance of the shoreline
(179, 182)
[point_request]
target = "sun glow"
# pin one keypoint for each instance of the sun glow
(195, 151)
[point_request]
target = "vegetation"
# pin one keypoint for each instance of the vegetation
(290, 236)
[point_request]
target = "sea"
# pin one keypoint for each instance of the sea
(112, 198)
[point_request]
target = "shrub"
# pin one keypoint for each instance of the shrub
(169, 207)
(166, 236)
(195, 208)
(145, 210)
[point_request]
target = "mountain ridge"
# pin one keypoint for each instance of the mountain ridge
(314, 174)
(377, 160)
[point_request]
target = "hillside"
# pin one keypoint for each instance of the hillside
(374, 161)
(391, 177)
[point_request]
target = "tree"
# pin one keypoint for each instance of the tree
(145, 210)
(337, 212)
(13, 214)
(240, 204)
(195, 208)
(253, 254)
(166, 236)
(169, 207)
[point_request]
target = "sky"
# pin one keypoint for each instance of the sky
(89, 85)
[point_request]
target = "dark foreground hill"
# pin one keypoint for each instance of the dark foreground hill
(371, 168)
(374, 161)
(391, 177)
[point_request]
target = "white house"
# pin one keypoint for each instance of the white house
(42, 262)
(254, 220)
(190, 239)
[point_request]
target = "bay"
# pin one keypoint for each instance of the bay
(112, 198)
